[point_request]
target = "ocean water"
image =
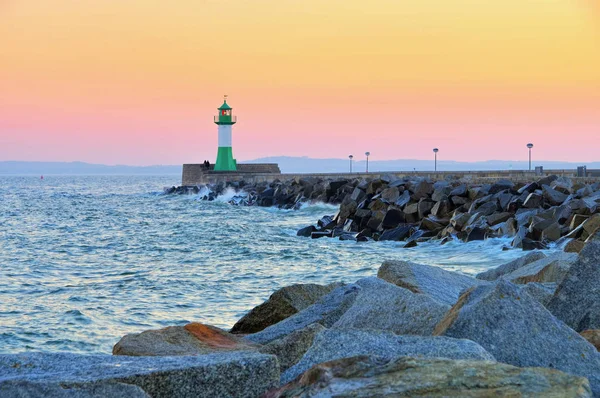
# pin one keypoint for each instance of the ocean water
(86, 260)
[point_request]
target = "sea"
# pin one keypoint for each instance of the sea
(85, 260)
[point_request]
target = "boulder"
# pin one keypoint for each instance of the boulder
(306, 231)
(518, 330)
(282, 304)
(424, 208)
(400, 233)
(500, 186)
(191, 339)
(533, 200)
(393, 218)
(497, 218)
(590, 226)
(552, 196)
(390, 195)
(325, 311)
(421, 190)
(577, 299)
(441, 285)
(380, 305)
(574, 246)
(476, 233)
(52, 389)
(232, 374)
(593, 336)
(542, 292)
(460, 190)
(550, 269)
(403, 199)
(291, 348)
(373, 376)
(336, 344)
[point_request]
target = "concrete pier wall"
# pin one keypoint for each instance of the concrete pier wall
(195, 175)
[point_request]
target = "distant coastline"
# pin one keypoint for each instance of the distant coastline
(288, 164)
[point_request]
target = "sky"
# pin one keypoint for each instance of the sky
(137, 82)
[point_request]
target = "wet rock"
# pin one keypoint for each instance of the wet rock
(282, 304)
(393, 218)
(460, 220)
(430, 225)
(291, 348)
(441, 285)
(593, 336)
(325, 311)
(511, 266)
(191, 339)
(306, 231)
(477, 233)
(397, 234)
(380, 305)
(530, 244)
(372, 376)
(410, 244)
(424, 208)
(336, 344)
(590, 226)
(518, 330)
(321, 234)
(577, 299)
(494, 219)
(239, 374)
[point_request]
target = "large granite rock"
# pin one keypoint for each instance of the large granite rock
(443, 286)
(511, 266)
(380, 305)
(191, 339)
(51, 389)
(282, 304)
(551, 269)
(372, 376)
(518, 330)
(290, 349)
(214, 375)
(577, 299)
(326, 312)
(335, 344)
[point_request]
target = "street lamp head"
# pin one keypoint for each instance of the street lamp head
(367, 153)
(436, 150)
(350, 156)
(529, 145)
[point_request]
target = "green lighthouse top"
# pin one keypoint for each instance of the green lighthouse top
(225, 105)
(225, 116)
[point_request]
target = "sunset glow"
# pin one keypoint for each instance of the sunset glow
(138, 81)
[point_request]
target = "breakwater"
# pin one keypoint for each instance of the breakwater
(535, 213)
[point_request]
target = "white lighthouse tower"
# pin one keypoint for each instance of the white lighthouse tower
(225, 121)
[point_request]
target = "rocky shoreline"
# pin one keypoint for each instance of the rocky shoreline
(528, 328)
(547, 211)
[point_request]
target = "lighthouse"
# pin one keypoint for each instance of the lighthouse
(225, 160)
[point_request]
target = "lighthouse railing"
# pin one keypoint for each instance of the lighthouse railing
(226, 119)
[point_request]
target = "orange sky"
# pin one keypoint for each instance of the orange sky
(137, 81)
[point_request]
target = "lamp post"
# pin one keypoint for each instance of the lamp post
(367, 154)
(530, 145)
(435, 151)
(350, 157)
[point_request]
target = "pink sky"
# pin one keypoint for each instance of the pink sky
(139, 83)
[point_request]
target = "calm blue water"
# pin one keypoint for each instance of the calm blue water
(85, 260)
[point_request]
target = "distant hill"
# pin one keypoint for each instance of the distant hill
(287, 164)
(81, 168)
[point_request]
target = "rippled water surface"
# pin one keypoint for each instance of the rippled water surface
(85, 260)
